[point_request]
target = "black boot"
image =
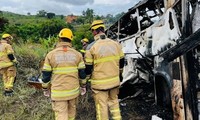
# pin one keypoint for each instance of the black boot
(8, 93)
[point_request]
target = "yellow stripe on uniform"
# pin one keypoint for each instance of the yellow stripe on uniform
(56, 115)
(115, 110)
(81, 65)
(104, 81)
(47, 67)
(64, 70)
(98, 112)
(72, 118)
(121, 55)
(83, 81)
(88, 60)
(116, 118)
(5, 64)
(106, 59)
(64, 93)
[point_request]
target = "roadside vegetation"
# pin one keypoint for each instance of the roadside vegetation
(34, 36)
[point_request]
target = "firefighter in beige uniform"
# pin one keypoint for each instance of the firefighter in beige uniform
(7, 62)
(84, 42)
(64, 66)
(104, 61)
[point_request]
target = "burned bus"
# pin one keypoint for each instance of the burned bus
(160, 39)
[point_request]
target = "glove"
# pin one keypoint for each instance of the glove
(40, 80)
(46, 92)
(83, 90)
(88, 78)
(16, 63)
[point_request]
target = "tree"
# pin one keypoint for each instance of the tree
(61, 16)
(80, 20)
(1, 13)
(110, 19)
(3, 23)
(119, 15)
(89, 15)
(28, 13)
(41, 13)
(51, 15)
(97, 17)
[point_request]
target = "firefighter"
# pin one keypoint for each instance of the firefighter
(84, 42)
(7, 64)
(103, 63)
(63, 73)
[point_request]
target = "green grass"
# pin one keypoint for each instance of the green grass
(18, 19)
(29, 103)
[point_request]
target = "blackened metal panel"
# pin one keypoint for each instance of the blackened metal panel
(176, 70)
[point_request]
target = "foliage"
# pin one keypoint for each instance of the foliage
(41, 13)
(34, 37)
(80, 20)
(51, 15)
(3, 23)
(81, 32)
(29, 103)
(88, 14)
(49, 43)
(30, 28)
(34, 31)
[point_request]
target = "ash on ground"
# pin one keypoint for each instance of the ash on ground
(137, 103)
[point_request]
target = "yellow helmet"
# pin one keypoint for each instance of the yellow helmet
(66, 33)
(97, 24)
(85, 40)
(7, 36)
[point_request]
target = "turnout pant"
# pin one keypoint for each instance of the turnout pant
(9, 74)
(107, 100)
(65, 110)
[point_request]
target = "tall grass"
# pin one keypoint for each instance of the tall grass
(29, 103)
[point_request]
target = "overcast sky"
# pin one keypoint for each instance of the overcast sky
(66, 7)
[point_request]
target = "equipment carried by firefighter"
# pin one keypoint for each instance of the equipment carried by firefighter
(35, 81)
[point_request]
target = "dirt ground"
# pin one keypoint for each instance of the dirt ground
(140, 107)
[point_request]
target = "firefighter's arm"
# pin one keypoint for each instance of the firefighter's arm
(46, 73)
(12, 57)
(88, 70)
(83, 81)
(10, 54)
(88, 63)
(82, 76)
(46, 77)
(81, 73)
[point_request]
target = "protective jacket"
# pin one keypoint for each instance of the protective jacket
(5, 50)
(104, 55)
(63, 67)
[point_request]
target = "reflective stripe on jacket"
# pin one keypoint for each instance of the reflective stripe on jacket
(104, 55)
(64, 63)
(5, 49)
